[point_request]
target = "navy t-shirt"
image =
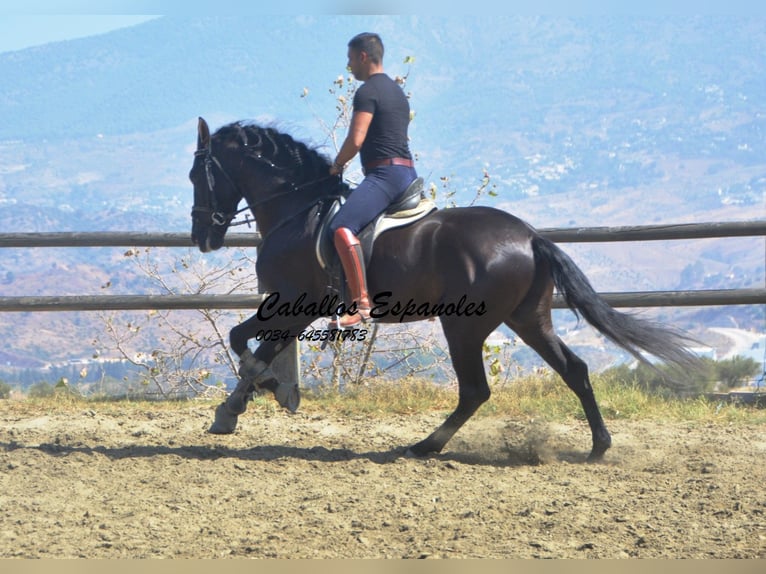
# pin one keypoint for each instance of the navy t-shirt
(387, 136)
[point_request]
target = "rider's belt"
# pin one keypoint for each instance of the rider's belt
(388, 161)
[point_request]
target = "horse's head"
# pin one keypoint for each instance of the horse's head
(216, 196)
(277, 176)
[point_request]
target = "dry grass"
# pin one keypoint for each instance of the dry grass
(542, 396)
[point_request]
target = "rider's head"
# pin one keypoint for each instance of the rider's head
(365, 55)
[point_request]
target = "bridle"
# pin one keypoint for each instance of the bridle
(217, 217)
(222, 219)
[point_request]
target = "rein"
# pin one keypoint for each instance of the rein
(220, 218)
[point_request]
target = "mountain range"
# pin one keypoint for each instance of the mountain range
(576, 122)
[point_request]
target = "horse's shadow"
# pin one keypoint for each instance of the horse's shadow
(269, 453)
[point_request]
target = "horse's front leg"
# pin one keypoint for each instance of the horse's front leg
(255, 373)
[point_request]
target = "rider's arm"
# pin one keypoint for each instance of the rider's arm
(357, 132)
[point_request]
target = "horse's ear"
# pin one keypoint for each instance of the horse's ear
(203, 134)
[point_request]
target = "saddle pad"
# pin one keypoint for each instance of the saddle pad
(402, 218)
(325, 250)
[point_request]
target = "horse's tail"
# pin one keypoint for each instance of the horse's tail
(627, 331)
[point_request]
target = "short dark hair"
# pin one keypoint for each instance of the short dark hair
(368, 42)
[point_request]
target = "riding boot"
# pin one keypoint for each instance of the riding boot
(351, 257)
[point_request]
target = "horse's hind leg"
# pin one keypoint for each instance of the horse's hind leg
(465, 349)
(537, 332)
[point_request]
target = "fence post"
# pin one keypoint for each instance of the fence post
(286, 365)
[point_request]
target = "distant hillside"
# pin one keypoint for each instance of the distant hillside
(542, 79)
(548, 105)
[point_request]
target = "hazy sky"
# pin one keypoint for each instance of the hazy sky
(32, 22)
(23, 31)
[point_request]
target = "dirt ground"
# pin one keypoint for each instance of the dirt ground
(151, 483)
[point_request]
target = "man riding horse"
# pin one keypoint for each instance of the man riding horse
(378, 132)
(477, 254)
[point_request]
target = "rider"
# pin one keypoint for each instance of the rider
(378, 131)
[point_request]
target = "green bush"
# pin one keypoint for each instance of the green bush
(41, 390)
(736, 371)
(666, 380)
(5, 390)
(670, 381)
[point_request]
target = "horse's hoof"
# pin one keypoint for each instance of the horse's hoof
(409, 453)
(420, 450)
(225, 422)
(288, 396)
(600, 446)
(597, 455)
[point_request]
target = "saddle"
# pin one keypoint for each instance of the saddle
(412, 207)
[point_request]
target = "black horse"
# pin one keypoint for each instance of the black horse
(476, 268)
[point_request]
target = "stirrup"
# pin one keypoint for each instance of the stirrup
(347, 321)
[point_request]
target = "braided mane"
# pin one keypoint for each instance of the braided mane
(300, 161)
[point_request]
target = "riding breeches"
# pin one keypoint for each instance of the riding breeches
(381, 187)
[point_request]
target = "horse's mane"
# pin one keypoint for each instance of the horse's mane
(299, 160)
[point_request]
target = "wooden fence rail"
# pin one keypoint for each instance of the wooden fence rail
(116, 239)
(228, 301)
(561, 235)
(754, 296)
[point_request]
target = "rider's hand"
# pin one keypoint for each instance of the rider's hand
(336, 168)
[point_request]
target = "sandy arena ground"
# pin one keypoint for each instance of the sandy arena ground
(151, 483)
